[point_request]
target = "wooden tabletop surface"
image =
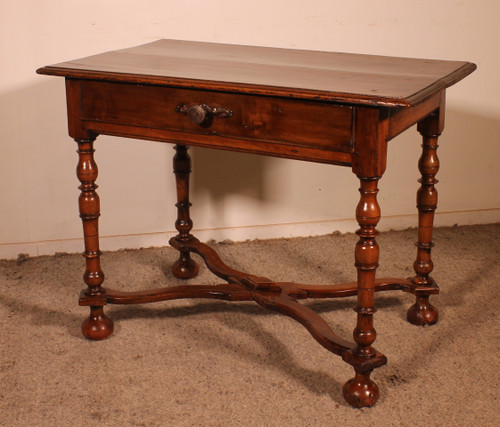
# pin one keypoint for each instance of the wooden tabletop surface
(340, 77)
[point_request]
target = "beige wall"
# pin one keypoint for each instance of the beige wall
(235, 196)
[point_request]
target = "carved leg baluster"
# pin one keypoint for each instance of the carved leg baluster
(422, 312)
(184, 267)
(361, 391)
(97, 326)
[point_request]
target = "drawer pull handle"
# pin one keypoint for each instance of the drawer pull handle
(202, 114)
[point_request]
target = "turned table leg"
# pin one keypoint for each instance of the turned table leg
(185, 267)
(422, 312)
(97, 326)
(361, 391)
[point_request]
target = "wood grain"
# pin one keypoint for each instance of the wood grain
(331, 76)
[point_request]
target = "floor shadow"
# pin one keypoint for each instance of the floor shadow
(43, 316)
(241, 316)
(277, 355)
(455, 291)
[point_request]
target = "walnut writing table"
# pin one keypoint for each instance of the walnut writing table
(334, 108)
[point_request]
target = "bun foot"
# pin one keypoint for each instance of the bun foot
(97, 326)
(422, 313)
(185, 267)
(361, 391)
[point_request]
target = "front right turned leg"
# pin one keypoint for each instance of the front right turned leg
(361, 391)
(97, 326)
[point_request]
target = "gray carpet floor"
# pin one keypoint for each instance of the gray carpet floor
(213, 363)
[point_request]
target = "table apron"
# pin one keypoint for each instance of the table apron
(313, 131)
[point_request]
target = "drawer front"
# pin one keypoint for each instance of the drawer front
(258, 118)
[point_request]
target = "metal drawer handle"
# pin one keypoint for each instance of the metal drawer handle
(203, 114)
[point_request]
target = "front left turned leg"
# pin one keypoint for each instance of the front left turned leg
(185, 267)
(97, 326)
(361, 391)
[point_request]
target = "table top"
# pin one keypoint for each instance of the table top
(328, 76)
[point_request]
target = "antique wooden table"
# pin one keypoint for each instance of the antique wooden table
(334, 108)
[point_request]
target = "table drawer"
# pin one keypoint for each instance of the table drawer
(249, 117)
